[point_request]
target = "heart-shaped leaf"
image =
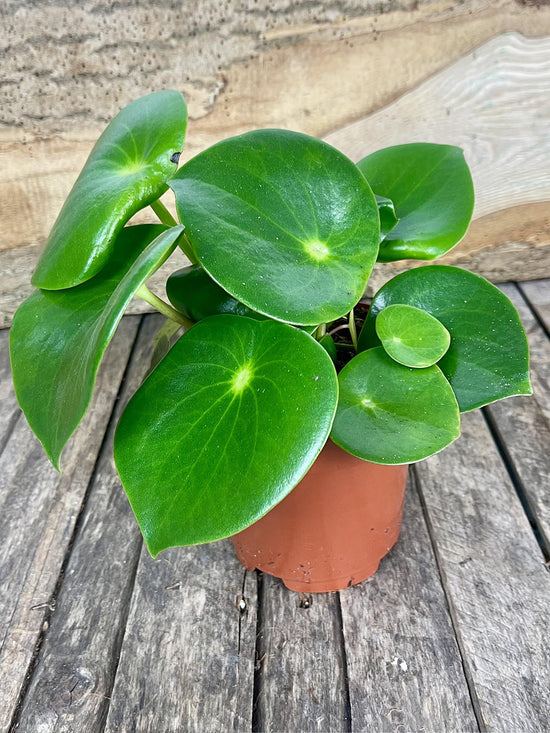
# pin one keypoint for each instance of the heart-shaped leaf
(433, 195)
(194, 294)
(58, 337)
(127, 170)
(223, 429)
(411, 336)
(283, 222)
(488, 358)
(389, 413)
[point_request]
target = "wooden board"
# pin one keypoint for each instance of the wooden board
(495, 577)
(309, 66)
(404, 666)
(38, 512)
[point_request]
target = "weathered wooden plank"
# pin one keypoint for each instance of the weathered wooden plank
(187, 660)
(9, 411)
(504, 86)
(537, 293)
(74, 673)
(495, 577)
(301, 685)
(38, 510)
(404, 667)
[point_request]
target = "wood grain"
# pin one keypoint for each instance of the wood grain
(74, 674)
(9, 410)
(302, 675)
(404, 666)
(187, 660)
(38, 511)
(495, 577)
(307, 65)
(538, 294)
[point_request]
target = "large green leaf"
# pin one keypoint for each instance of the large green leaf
(58, 336)
(390, 413)
(411, 336)
(488, 357)
(126, 170)
(432, 191)
(224, 428)
(283, 222)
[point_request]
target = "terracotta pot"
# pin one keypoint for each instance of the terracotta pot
(333, 529)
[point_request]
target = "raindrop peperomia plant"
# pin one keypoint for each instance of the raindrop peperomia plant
(282, 231)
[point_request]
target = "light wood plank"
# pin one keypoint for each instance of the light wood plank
(495, 577)
(74, 674)
(302, 676)
(537, 293)
(187, 660)
(38, 510)
(404, 667)
(9, 410)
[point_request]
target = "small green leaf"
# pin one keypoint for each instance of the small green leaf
(223, 429)
(58, 337)
(194, 294)
(127, 170)
(411, 336)
(388, 217)
(389, 413)
(433, 195)
(283, 222)
(488, 358)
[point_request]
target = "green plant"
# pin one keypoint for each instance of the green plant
(282, 231)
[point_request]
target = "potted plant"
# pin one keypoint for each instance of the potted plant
(282, 231)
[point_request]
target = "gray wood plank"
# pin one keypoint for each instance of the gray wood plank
(404, 666)
(187, 661)
(522, 426)
(9, 410)
(38, 511)
(74, 674)
(537, 293)
(302, 680)
(495, 577)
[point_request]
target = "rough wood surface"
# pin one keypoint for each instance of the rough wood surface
(187, 660)
(404, 667)
(72, 682)
(38, 511)
(301, 662)
(308, 65)
(537, 293)
(9, 410)
(495, 577)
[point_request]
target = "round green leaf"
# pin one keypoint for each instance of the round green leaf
(126, 170)
(283, 222)
(193, 292)
(433, 195)
(389, 413)
(58, 337)
(488, 358)
(223, 429)
(411, 336)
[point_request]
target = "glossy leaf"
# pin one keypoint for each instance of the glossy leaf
(194, 294)
(58, 337)
(389, 413)
(488, 357)
(411, 336)
(283, 222)
(388, 217)
(223, 429)
(127, 170)
(327, 342)
(433, 195)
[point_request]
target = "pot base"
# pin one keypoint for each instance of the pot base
(333, 529)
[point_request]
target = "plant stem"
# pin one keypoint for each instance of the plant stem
(352, 329)
(166, 218)
(321, 331)
(163, 214)
(145, 294)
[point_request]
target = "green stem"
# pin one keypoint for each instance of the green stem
(321, 331)
(163, 214)
(145, 294)
(352, 329)
(166, 218)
